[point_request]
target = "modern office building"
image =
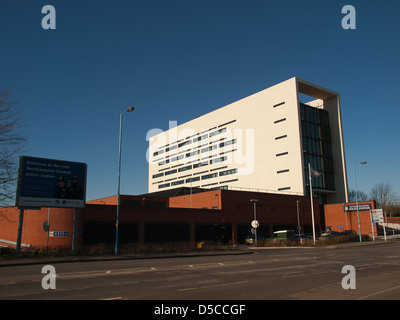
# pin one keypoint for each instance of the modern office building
(263, 142)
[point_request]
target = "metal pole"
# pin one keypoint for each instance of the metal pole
(358, 211)
(312, 202)
(75, 231)
(19, 236)
(119, 180)
(298, 217)
(384, 219)
(130, 109)
(255, 218)
(48, 230)
(372, 225)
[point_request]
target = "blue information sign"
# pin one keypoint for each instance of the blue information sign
(51, 183)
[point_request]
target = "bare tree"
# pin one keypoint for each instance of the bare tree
(385, 196)
(361, 196)
(12, 142)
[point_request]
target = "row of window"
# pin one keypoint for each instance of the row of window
(193, 153)
(317, 148)
(197, 165)
(315, 115)
(194, 179)
(202, 137)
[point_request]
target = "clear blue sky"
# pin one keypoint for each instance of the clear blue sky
(178, 59)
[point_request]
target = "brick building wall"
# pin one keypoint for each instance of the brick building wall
(338, 220)
(61, 221)
(161, 219)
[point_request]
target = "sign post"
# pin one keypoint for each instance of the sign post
(19, 236)
(377, 216)
(52, 184)
(372, 225)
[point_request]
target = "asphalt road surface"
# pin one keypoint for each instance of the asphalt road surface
(300, 273)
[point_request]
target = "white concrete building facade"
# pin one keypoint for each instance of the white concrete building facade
(263, 142)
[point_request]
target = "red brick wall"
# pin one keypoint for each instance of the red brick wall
(207, 200)
(32, 230)
(393, 219)
(335, 216)
(235, 208)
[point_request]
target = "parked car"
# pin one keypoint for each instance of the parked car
(283, 235)
(348, 233)
(329, 234)
(250, 239)
(302, 238)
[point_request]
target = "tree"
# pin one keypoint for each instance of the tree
(12, 142)
(385, 196)
(361, 196)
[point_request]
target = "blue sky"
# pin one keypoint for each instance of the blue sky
(178, 59)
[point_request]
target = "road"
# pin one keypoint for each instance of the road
(299, 273)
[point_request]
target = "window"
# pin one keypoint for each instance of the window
(280, 120)
(209, 148)
(184, 143)
(171, 148)
(200, 138)
(219, 168)
(163, 162)
(226, 181)
(317, 148)
(177, 158)
(217, 160)
(209, 184)
(164, 185)
(170, 172)
(158, 175)
(190, 154)
(192, 179)
(281, 137)
(227, 143)
(282, 171)
(209, 176)
(175, 183)
(279, 104)
(185, 168)
(282, 154)
(224, 124)
(284, 188)
(197, 165)
(226, 172)
(217, 132)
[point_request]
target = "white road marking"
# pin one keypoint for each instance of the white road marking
(378, 293)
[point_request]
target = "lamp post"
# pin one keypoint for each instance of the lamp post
(358, 211)
(130, 109)
(255, 226)
(298, 217)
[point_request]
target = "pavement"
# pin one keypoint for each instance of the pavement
(240, 250)
(79, 258)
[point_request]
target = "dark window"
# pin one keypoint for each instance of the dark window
(170, 172)
(280, 120)
(279, 104)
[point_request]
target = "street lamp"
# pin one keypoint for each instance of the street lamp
(255, 222)
(358, 211)
(130, 109)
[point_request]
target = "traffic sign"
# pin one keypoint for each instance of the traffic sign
(377, 215)
(255, 224)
